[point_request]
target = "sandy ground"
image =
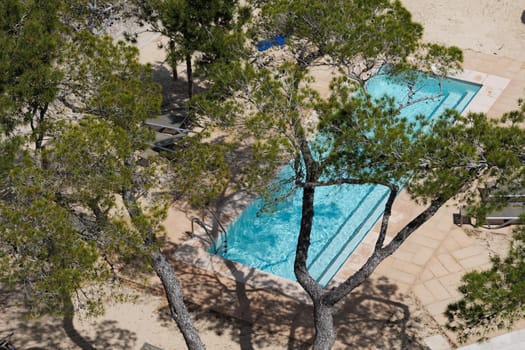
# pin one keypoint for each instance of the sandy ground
(488, 26)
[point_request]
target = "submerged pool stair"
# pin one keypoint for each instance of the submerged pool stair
(349, 235)
(334, 240)
(451, 101)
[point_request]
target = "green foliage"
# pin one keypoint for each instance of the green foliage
(368, 139)
(94, 16)
(29, 77)
(201, 171)
(211, 28)
(92, 163)
(474, 150)
(440, 60)
(88, 156)
(41, 254)
(344, 30)
(109, 82)
(516, 116)
(201, 25)
(492, 299)
(64, 226)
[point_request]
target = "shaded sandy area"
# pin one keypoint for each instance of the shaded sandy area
(387, 319)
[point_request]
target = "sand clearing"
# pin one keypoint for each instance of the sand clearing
(488, 26)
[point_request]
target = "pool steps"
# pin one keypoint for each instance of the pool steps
(340, 248)
(333, 242)
(343, 224)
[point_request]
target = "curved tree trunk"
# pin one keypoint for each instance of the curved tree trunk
(178, 310)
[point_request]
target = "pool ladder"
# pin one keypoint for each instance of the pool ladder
(210, 239)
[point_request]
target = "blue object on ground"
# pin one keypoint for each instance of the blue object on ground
(263, 45)
(278, 40)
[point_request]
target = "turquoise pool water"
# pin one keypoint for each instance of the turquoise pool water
(344, 214)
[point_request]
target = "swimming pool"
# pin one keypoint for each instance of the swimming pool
(344, 214)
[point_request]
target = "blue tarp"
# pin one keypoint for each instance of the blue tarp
(278, 40)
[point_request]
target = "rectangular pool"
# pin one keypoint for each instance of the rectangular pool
(344, 214)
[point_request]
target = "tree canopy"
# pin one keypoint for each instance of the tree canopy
(211, 28)
(30, 77)
(77, 209)
(74, 207)
(492, 299)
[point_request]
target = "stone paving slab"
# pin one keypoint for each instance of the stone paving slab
(467, 252)
(438, 291)
(437, 268)
(450, 264)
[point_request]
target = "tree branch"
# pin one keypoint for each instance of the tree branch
(341, 181)
(386, 217)
(339, 292)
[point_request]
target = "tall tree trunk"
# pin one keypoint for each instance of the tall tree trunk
(173, 60)
(40, 129)
(169, 280)
(178, 310)
(324, 326)
(189, 69)
(303, 244)
(323, 320)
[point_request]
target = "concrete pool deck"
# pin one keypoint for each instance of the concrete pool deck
(429, 265)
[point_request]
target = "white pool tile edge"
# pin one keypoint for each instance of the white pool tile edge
(492, 87)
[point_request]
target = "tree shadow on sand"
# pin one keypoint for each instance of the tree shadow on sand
(174, 92)
(58, 333)
(375, 315)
